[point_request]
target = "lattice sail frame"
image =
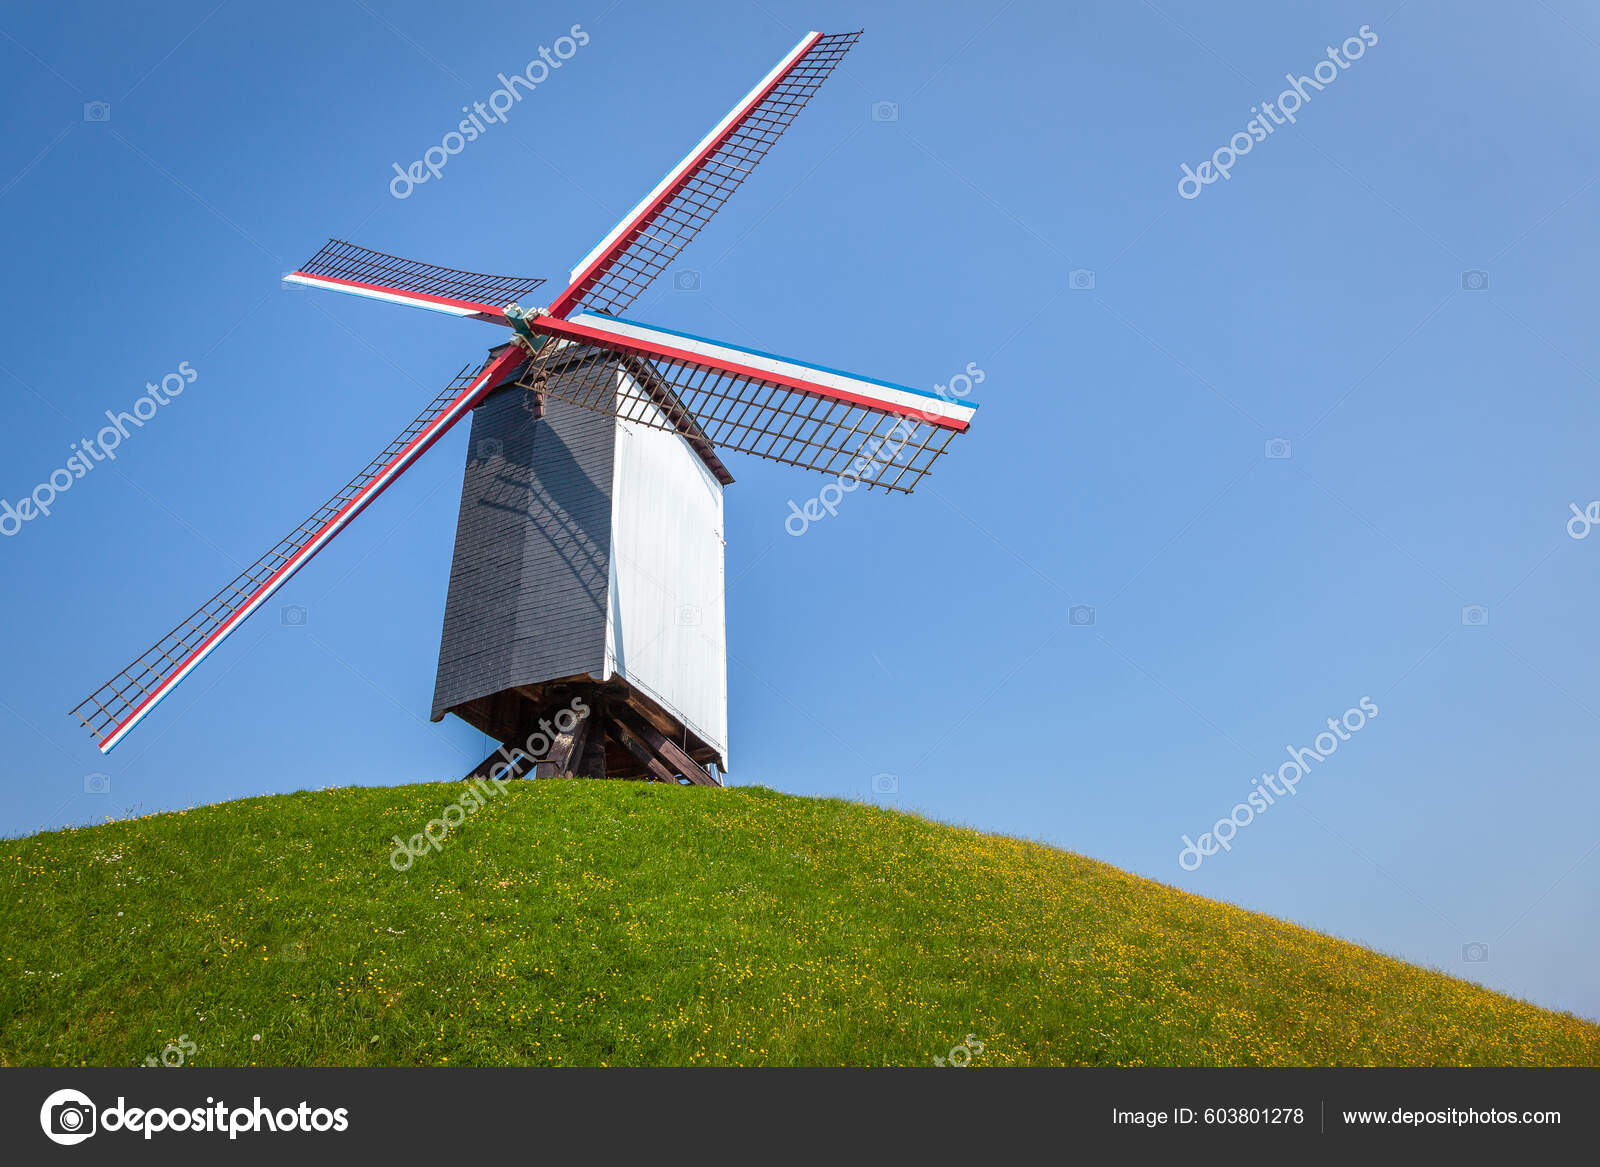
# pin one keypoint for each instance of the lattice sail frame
(360, 271)
(117, 706)
(655, 232)
(878, 435)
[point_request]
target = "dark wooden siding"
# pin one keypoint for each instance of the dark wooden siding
(528, 585)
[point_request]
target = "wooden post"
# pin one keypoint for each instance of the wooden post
(565, 752)
(593, 762)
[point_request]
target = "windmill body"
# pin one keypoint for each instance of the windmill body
(588, 563)
(584, 625)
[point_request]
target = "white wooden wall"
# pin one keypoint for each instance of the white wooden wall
(667, 633)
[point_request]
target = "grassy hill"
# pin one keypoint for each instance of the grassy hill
(575, 922)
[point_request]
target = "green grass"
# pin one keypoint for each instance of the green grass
(580, 923)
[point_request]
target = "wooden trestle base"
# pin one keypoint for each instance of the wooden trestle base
(591, 731)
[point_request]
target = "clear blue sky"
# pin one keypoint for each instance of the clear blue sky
(1436, 432)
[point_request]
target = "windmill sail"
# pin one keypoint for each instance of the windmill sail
(360, 271)
(122, 702)
(650, 237)
(879, 434)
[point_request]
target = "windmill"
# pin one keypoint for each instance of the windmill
(584, 625)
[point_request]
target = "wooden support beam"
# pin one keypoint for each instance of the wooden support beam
(520, 767)
(670, 751)
(645, 756)
(566, 750)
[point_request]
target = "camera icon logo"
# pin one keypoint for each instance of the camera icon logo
(68, 1117)
(96, 111)
(97, 783)
(1278, 448)
(886, 111)
(1081, 279)
(1080, 615)
(688, 615)
(490, 448)
(885, 784)
(1475, 281)
(293, 616)
(686, 280)
(1475, 615)
(1476, 952)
